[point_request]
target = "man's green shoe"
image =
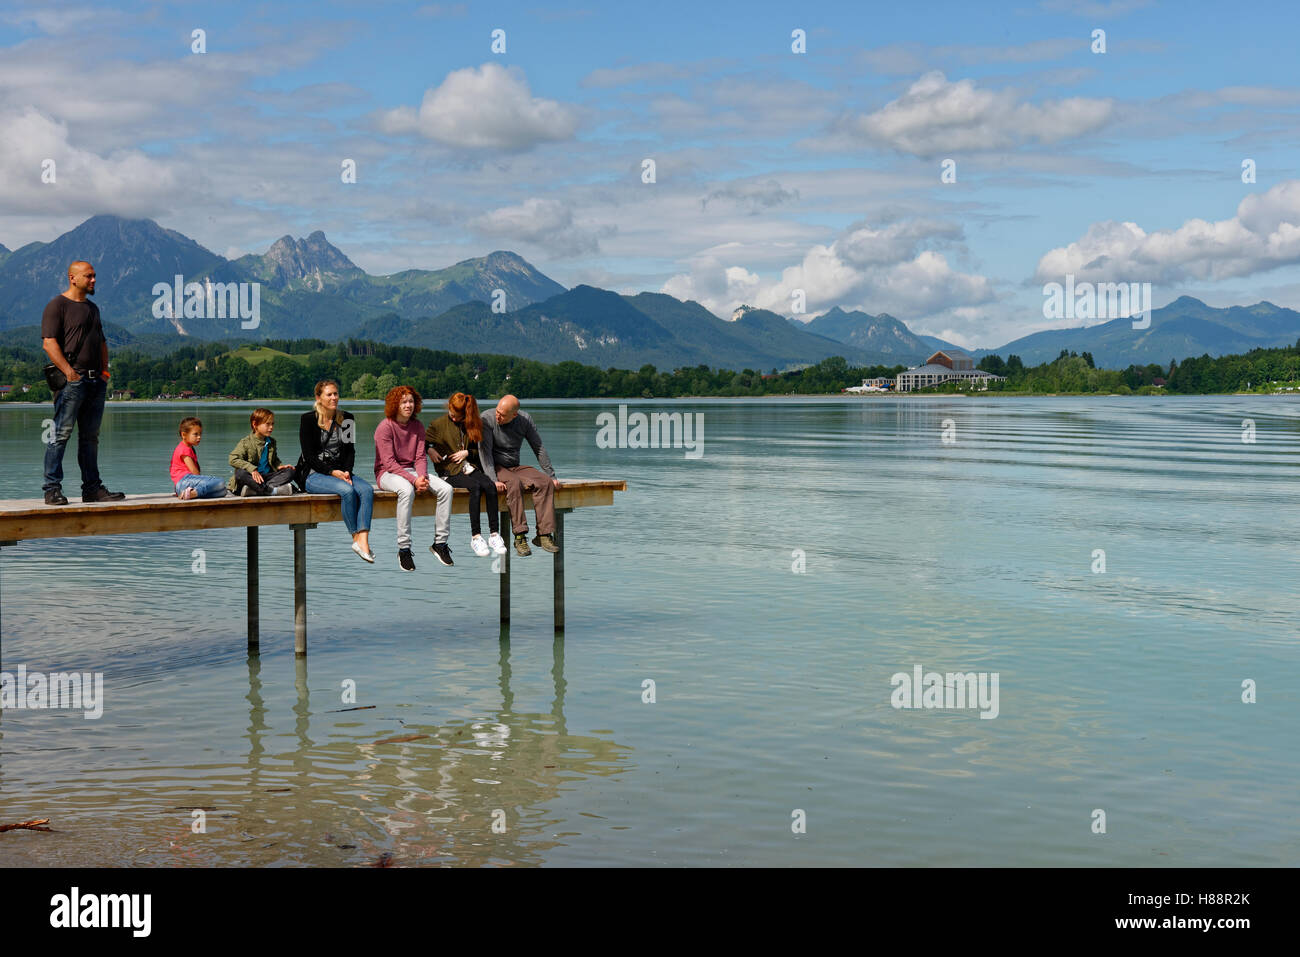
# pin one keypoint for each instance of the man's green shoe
(547, 542)
(521, 545)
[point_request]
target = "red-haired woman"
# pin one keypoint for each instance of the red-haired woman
(453, 443)
(400, 467)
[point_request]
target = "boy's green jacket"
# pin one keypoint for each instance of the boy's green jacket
(248, 452)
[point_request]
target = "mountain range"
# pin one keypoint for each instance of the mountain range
(309, 289)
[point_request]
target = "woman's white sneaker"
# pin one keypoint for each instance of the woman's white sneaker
(497, 544)
(480, 547)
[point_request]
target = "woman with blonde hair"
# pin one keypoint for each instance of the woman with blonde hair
(327, 437)
(454, 443)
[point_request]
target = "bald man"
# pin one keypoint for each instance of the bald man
(505, 430)
(73, 338)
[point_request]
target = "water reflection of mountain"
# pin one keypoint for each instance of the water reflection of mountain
(430, 793)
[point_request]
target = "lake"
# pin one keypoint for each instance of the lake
(725, 691)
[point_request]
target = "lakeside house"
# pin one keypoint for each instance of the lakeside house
(945, 365)
(878, 384)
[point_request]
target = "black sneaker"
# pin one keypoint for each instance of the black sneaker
(102, 494)
(55, 497)
(521, 544)
(406, 559)
(442, 552)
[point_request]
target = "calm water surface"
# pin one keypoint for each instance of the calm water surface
(1119, 691)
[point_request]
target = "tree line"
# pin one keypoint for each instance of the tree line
(367, 370)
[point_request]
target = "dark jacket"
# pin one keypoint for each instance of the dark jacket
(445, 436)
(310, 443)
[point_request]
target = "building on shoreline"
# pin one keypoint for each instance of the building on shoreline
(945, 365)
(879, 384)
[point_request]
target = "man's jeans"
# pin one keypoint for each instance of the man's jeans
(404, 486)
(79, 403)
(356, 499)
(205, 486)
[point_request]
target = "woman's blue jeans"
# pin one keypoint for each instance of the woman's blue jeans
(357, 499)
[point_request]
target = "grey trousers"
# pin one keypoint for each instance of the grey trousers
(405, 489)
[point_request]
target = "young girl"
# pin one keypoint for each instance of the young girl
(185, 466)
(453, 442)
(327, 438)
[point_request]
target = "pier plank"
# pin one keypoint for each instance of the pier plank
(23, 519)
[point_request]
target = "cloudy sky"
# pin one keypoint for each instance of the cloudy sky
(775, 171)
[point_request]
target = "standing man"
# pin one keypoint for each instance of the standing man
(74, 340)
(504, 431)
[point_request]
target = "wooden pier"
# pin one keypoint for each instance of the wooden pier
(25, 519)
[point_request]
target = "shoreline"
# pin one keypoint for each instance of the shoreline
(680, 398)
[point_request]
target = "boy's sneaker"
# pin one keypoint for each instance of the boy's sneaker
(497, 543)
(480, 547)
(521, 545)
(55, 497)
(245, 491)
(406, 559)
(547, 542)
(285, 489)
(442, 552)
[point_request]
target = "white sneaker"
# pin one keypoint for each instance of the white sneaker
(480, 547)
(497, 544)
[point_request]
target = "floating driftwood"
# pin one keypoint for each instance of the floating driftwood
(33, 825)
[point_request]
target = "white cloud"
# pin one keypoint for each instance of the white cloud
(877, 270)
(125, 181)
(1264, 234)
(488, 107)
(935, 116)
(543, 222)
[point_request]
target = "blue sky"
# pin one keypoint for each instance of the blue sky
(775, 172)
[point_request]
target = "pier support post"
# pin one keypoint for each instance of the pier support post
(253, 637)
(300, 588)
(509, 539)
(3, 545)
(557, 570)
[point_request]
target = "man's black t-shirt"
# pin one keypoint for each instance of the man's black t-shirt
(76, 326)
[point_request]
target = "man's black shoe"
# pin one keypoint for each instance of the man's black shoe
(102, 494)
(406, 559)
(55, 497)
(442, 552)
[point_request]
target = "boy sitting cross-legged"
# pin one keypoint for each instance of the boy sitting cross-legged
(258, 469)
